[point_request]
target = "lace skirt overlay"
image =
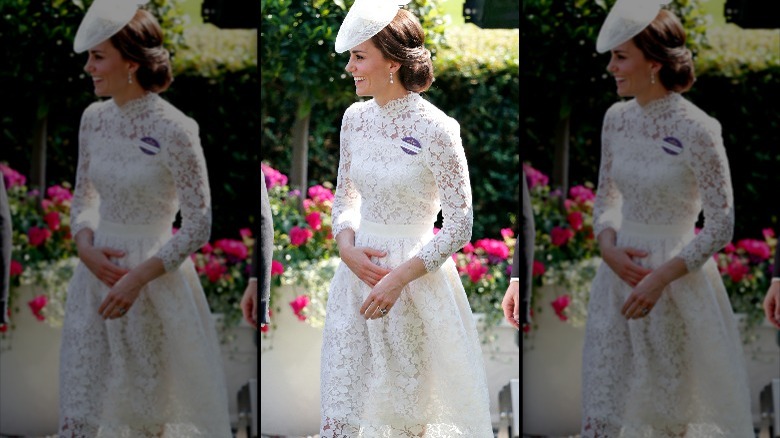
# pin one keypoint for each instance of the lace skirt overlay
(678, 372)
(156, 372)
(417, 371)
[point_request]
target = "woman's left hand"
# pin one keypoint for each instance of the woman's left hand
(643, 298)
(120, 298)
(382, 296)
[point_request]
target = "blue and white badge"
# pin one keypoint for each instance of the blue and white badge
(149, 146)
(672, 146)
(411, 146)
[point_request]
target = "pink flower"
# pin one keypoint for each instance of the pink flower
(768, 233)
(314, 220)
(207, 248)
(507, 233)
(729, 248)
(581, 194)
(46, 205)
(245, 232)
(233, 248)
(526, 328)
(755, 248)
(468, 248)
(3, 328)
(52, 220)
(560, 236)
(277, 268)
(264, 328)
(214, 270)
(273, 177)
(298, 304)
(174, 230)
(299, 236)
(575, 220)
(320, 194)
(535, 177)
(737, 271)
(538, 269)
(59, 194)
(559, 305)
(11, 177)
(38, 236)
(36, 305)
(476, 271)
(493, 247)
(16, 268)
(436, 230)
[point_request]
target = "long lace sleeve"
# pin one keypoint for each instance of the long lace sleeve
(184, 159)
(346, 200)
(609, 200)
(708, 161)
(86, 200)
(447, 161)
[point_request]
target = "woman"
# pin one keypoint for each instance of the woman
(139, 355)
(400, 354)
(662, 354)
(772, 299)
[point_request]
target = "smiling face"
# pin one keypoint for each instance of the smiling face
(632, 71)
(109, 72)
(370, 70)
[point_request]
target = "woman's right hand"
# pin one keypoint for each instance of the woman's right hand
(96, 259)
(359, 262)
(619, 259)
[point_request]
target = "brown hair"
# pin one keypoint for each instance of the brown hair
(402, 41)
(663, 41)
(141, 41)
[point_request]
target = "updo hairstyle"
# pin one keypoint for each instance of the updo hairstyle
(402, 41)
(663, 41)
(141, 41)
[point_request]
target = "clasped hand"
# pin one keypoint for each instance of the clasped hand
(646, 292)
(384, 292)
(123, 293)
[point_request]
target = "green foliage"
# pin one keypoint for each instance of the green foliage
(734, 52)
(211, 52)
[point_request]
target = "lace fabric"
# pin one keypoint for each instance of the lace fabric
(680, 371)
(156, 372)
(417, 371)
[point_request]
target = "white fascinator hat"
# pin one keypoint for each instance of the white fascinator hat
(626, 20)
(103, 20)
(364, 20)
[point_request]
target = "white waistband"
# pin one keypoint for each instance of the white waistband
(155, 229)
(638, 228)
(395, 230)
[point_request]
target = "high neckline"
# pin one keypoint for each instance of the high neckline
(397, 105)
(659, 105)
(132, 104)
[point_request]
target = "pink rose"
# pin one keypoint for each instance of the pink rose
(468, 248)
(16, 268)
(535, 177)
(264, 328)
(581, 194)
(538, 269)
(493, 247)
(207, 248)
(36, 305)
(575, 220)
(233, 248)
(755, 248)
(507, 233)
(245, 232)
(298, 304)
(768, 233)
(737, 271)
(11, 177)
(729, 248)
(476, 271)
(320, 194)
(277, 268)
(559, 305)
(314, 220)
(561, 236)
(273, 177)
(214, 270)
(38, 236)
(299, 236)
(52, 220)
(59, 194)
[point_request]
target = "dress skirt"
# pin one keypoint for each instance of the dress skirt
(679, 371)
(155, 372)
(417, 371)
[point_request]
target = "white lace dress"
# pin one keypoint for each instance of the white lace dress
(417, 371)
(680, 371)
(156, 372)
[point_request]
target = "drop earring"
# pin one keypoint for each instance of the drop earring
(129, 77)
(391, 78)
(652, 77)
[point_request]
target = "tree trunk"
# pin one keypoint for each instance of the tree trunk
(560, 177)
(300, 153)
(38, 161)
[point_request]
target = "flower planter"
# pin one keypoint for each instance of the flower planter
(763, 362)
(290, 373)
(502, 360)
(552, 373)
(29, 373)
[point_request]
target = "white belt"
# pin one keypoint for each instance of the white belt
(395, 230)
(115, 228)
(640, 229)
